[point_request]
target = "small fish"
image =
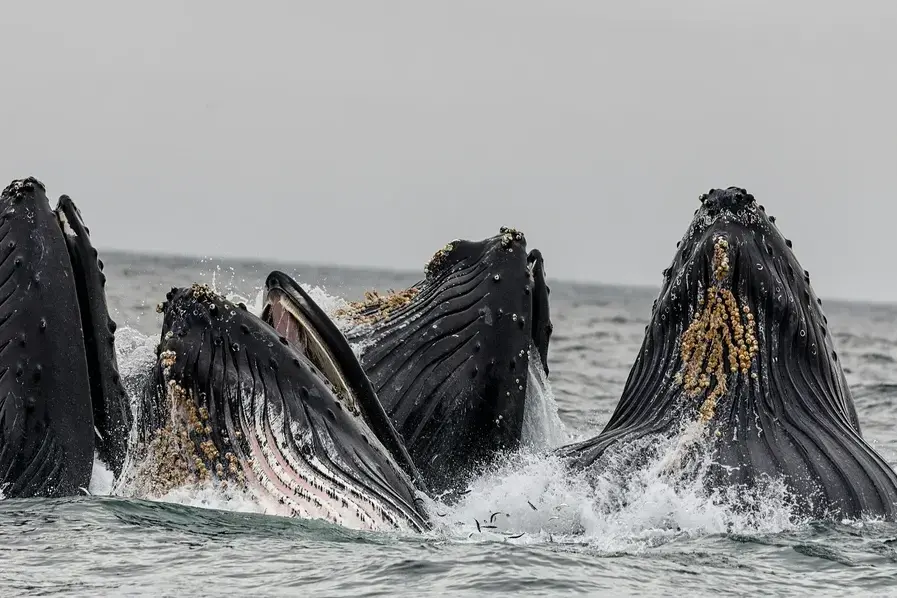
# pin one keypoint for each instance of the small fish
(520, 535)
(478, 526)
(493, 516)
(533, 506)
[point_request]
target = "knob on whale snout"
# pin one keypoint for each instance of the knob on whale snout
(732, 199)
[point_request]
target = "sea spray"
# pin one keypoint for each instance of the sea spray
(542, 425)
(629, 502)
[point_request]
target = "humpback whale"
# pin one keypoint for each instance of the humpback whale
(448, 357)
(738, 358)
(61, 398)
(232, 402)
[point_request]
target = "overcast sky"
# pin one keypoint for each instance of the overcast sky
(372, 133)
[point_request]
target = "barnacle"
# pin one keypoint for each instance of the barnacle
(375, 306)
(182, 451)
(720, 341)
(166, 360)
(509, 235)
(438, 259)
(203, 292)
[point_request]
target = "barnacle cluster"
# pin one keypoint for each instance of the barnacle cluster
(720, 260)
(15, 188)
(182, 451)
(438, 259)
(376, 306)
(203, 292)
(721, 339)
(166, 360)
(509, 235)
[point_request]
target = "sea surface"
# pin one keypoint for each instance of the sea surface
(525, 528)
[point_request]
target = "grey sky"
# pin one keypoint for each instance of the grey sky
(374, 132)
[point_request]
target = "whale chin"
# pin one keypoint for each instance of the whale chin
(448, 358)
(738, 354)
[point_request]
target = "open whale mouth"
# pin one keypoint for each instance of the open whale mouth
(231, 402)
(305, 326)
(290, 321)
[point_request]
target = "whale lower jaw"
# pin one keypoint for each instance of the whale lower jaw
(277, 466)
(277, 469)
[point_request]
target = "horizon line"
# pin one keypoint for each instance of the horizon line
(409, 271)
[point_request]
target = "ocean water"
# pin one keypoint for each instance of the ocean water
(525, 528)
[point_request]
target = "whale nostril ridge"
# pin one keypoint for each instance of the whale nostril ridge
(732, 199)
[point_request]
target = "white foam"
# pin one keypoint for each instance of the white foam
(208, 495)
(622, 507)
(542, 425)
(101, 478)
(228, 288)
(327, 302)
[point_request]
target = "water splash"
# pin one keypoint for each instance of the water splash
(209, 495)
(101, 478)
(630, 504)
(542, 425)
(224, 281)
(329, 303)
